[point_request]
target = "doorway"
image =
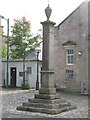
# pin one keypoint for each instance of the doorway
(13, 77)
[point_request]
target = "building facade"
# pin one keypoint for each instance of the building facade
(72, 50)
(16, 73)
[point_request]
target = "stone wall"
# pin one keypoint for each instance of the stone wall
(73, 28)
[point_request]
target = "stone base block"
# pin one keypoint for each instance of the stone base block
(45, 96)
(47, 91)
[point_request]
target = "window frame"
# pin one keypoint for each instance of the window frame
(20, 74)
(70, 56)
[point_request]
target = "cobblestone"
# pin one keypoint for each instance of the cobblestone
(12, 99)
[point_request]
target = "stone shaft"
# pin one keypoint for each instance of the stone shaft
(48, 54)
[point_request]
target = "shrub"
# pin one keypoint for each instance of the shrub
(25, 86)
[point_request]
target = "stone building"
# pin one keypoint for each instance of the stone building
(72, 50)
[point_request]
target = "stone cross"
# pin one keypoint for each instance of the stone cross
(47, 101)
(48, 55)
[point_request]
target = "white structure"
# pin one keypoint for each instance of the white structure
(16, 69)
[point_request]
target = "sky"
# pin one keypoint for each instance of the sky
(33, 10)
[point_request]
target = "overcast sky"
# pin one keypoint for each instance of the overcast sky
(33, 10)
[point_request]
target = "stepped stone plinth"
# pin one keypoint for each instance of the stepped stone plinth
(47, 101)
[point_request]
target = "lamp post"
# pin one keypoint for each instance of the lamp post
(37, 81)
(2, 17)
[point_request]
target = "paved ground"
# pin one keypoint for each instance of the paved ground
(12, 99)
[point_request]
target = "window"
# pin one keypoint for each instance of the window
(69, 57)
(29, 70)
(20, 74)
(69, 74)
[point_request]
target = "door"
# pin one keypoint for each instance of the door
(13, 77)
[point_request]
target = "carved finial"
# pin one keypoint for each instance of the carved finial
(48, 2)
(48, 11)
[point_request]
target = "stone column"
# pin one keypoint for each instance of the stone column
(47, 86)
(48, 56)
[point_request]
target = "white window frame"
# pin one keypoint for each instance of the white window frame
(69, 53)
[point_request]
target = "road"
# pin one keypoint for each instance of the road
(12, 99)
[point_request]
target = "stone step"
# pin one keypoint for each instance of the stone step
(45, 110)
(40, 105)
(63, 104)
(44, 96)
(47, 101)
(47, 96)
(47, 105)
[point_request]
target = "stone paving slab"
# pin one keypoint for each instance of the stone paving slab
(12, 99)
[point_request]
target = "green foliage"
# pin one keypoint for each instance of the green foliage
(25, 86)
(4, 51)
(22, 41)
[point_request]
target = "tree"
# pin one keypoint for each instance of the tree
(4, 51)
(22, 42)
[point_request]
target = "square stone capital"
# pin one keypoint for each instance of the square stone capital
(48, 22)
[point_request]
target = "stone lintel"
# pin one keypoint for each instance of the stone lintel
(47, 90)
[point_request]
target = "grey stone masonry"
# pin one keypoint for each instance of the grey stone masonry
(47, 101)
(48, 56)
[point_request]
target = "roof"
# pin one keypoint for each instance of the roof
(71, 14)
(20, 60)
